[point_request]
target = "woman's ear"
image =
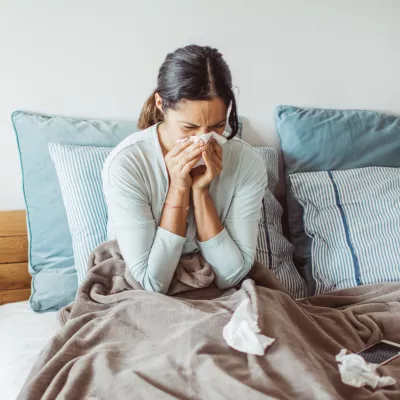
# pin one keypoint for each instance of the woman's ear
(158, 101)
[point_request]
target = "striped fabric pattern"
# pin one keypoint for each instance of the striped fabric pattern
(353, 219)
(79, 174)
(273, 249)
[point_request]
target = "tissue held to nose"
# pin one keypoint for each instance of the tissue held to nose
(243, 333)
(205, 138)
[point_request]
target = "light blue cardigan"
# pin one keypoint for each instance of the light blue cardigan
(135, 182)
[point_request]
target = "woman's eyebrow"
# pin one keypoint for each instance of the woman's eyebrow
(197, 126)
(189, 123)
(219, 123)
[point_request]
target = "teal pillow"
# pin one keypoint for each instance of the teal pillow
(51, 261)
(323, 140)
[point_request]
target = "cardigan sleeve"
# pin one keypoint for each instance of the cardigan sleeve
(151, 253)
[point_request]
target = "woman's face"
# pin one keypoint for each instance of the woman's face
(194, 118)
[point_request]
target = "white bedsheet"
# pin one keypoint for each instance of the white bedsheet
(23, 334)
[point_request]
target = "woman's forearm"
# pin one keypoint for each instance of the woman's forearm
(207, 221)
(175, 210)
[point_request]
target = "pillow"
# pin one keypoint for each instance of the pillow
(273, 249)
(79, 171)
(79, 174)
(353, 218)
(51, 261)
(321, 140)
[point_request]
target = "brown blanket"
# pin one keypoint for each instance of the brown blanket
(118, 342)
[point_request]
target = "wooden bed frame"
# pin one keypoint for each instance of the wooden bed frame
(15, 281)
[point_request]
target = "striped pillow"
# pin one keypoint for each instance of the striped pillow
(79, 174)
(353, 219)
(273, 249)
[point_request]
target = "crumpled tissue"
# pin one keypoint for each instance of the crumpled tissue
(205, 138)
(355, 371)
(243, 333)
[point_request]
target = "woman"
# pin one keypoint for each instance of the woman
(160, 207)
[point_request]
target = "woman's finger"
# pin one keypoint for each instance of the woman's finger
(191, 148)
(216, 161)
(212, 153)
(183, 160)
(188, 150)
(179, 148)
(189, 166)
(218, 150)
(213, 163)
(218, 164)
(183, 148)
(208, 162)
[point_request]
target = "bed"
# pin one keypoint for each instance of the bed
(116, 340)
(23, 333)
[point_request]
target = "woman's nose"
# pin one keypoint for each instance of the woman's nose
(203, 130)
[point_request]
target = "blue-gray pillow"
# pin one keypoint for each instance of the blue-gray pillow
(353, 218)
(322, 140)
(51, 261)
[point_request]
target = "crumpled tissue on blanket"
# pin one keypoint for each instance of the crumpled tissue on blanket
(355, 371)
(243, 333)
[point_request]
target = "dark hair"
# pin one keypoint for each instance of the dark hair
(191, 73)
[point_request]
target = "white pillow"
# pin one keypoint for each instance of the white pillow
(79, 174)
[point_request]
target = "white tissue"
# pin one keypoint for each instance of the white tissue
(242, 332)
(355, 371)
(205, 138)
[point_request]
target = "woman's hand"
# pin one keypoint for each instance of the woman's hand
(180, 161)
(212, 157)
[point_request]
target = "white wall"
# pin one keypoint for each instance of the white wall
(98, 58)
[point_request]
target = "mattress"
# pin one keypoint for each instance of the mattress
(23, 334)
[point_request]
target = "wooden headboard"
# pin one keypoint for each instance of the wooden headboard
(15, 281)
